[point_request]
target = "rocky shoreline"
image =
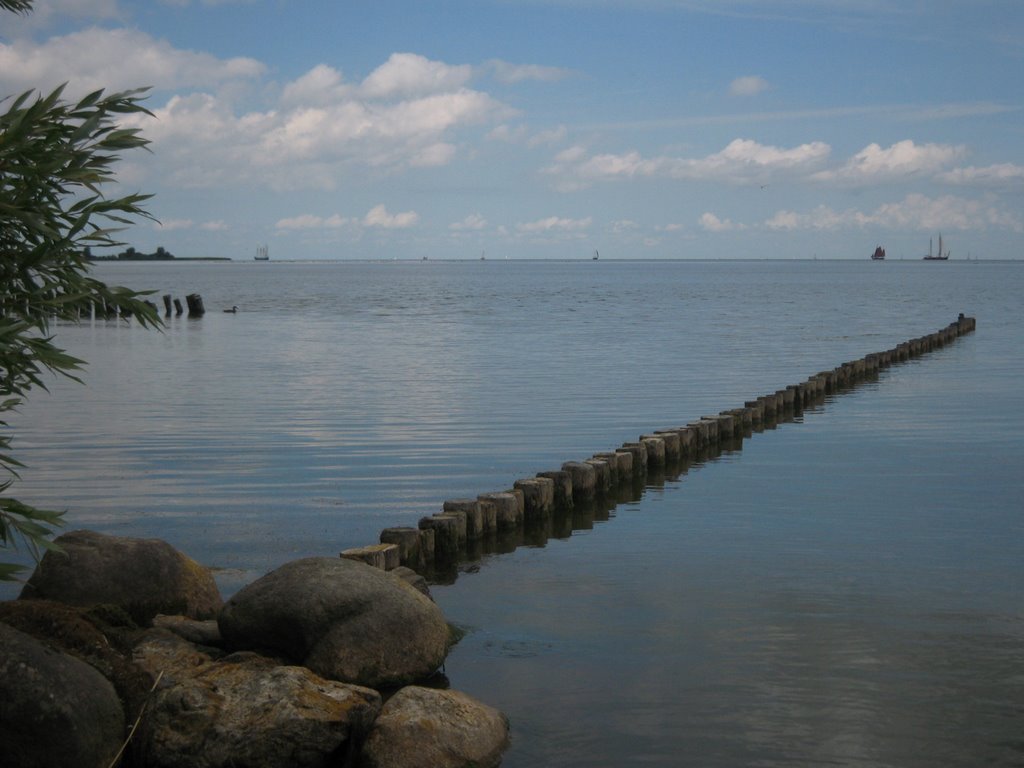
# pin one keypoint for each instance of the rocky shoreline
(322, 662)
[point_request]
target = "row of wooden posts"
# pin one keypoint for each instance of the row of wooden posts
(437, 544)
(194, 302)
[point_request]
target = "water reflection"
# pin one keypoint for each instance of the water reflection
(583, 514)
(726, 627)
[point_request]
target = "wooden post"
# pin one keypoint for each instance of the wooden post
(195, 305)
(563, 487)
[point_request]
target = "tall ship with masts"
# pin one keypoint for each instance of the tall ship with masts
(879, 254)
(940, 256)
(262, 253)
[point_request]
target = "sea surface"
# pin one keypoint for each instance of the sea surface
(846, 589)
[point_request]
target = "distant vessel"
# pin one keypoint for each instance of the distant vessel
(879, 254)
(262, 253)
(596, 255)
(940, 256)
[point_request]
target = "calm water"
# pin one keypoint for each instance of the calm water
(846, 589)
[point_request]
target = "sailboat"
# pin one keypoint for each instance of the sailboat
(596, 255)
(940, 256)
(879, 254)
(262, 253)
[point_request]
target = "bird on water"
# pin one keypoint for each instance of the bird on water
(232, 310)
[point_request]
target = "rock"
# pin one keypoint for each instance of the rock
(246, 710)
(343, 619)
(429, 728)
(198, 632)
(143, 576)
(99, 636)
(54, 709)
(413, 579)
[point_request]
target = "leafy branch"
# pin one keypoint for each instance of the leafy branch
(56, 157)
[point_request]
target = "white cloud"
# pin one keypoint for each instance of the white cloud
(379, 217)
(947, 212)
(555, 224)
(553, 136)
(712, 223)
(303, 221)
(409, 74)
(915, 211)
(516, 73)
(507, 133)
(741, 161)
(903, 159)
(751, 85)
(316, 131)
(518, 134)
(472, 222)
(744, 161)
(319, 132)
(1001, 174)
(349, 132)
(215, 226)
(169, 225)
(114, 59)
(311, 221)
(439, 153)
(570, 156)
(820, 218)
(320, 86)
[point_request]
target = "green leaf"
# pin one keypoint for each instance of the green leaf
(9, 571)
(55, 156)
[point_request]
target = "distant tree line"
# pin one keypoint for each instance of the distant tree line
(130, 254)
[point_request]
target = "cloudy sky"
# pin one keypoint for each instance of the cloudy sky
(550, 128)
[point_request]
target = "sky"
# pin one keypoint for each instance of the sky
(551, 129)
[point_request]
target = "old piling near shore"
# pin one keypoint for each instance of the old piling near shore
(195, 305)
(582, 491)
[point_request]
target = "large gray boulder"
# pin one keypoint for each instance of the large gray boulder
(54, 709)
(246, 710)
(429, 728)
(143, 576)
(342, 619)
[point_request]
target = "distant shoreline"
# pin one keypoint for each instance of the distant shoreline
(158, 258)
(160, 254)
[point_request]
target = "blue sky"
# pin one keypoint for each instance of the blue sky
(544, 129)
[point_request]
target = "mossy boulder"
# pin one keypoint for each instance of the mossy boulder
(54, 709)
(340, 618)
(144, 577)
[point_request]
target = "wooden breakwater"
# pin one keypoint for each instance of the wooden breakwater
(554, 503)
(104, 311)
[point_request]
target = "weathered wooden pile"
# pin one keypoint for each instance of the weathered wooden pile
(466, 526)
